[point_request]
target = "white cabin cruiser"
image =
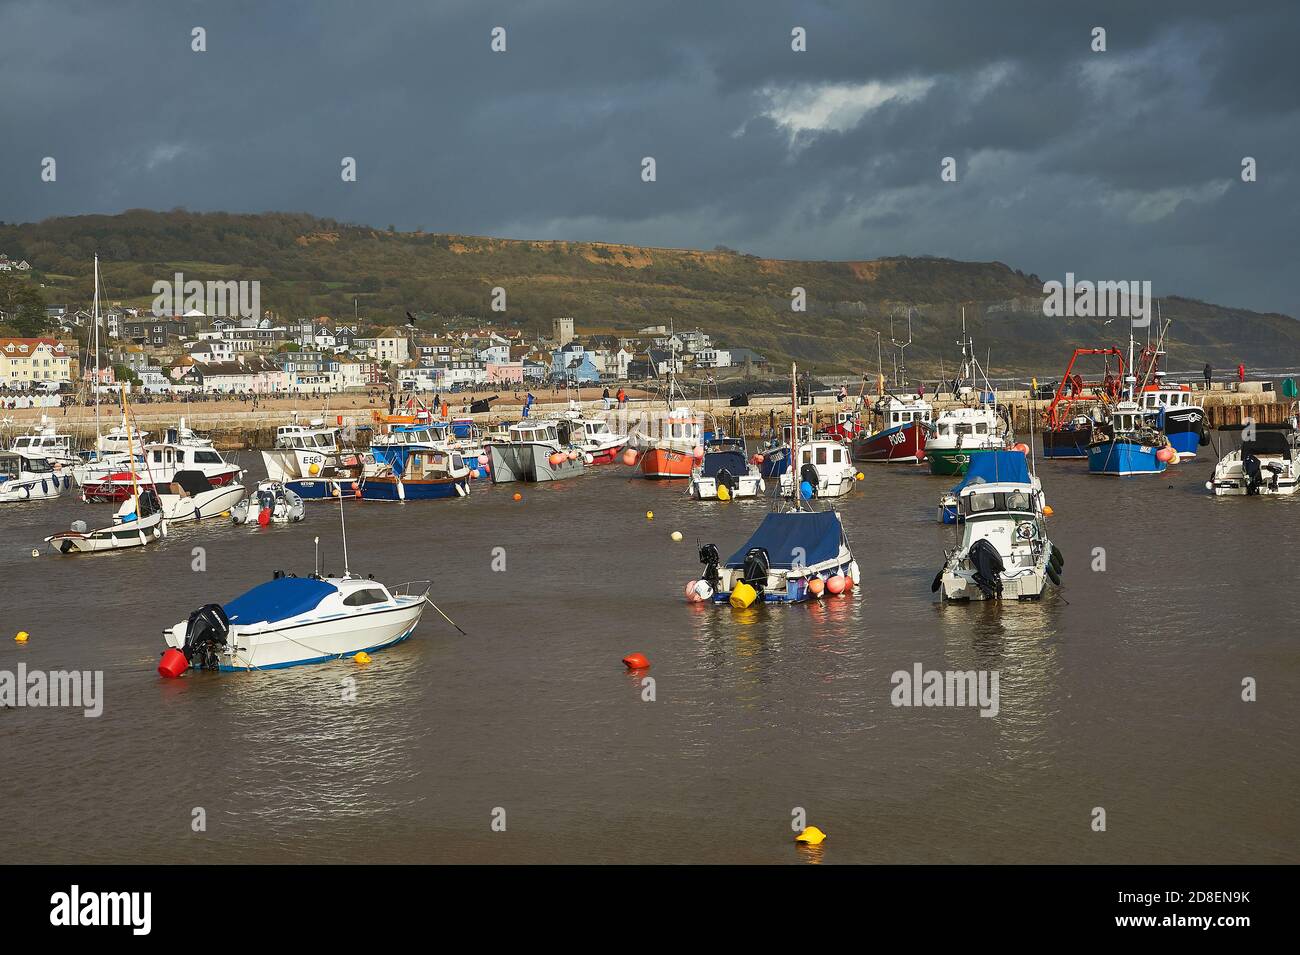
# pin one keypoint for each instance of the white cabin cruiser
(288, 621)
(1004, 551)
(30, 477)
(280, 505)
(826, 466)
(724, 472)
(1268, 465)
(162, 462)
(593, 436)
(189, 497)
(45, 441)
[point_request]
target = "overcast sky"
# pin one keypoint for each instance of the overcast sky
(1117, 165)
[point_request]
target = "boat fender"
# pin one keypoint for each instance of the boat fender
(1057, 557)
(815, 586)
(835, 584)
(855, 574)
(742, 596)
(1054, 574)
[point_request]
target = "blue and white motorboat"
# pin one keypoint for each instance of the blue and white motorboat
(987, 467)
(775, 455)
(791, 557)
(30, 478)
(289, 620)
(724, 472)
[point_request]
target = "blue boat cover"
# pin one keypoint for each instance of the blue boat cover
(278, 599)
(715, 461)
(818, 533)
(990, 466)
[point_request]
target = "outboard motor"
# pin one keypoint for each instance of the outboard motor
(266, 499)
(726, 479)
(149, 503)
(205, 635)
(756, 568)
(809, 473)
(1251, 469)
(988, 568)
(710, 559)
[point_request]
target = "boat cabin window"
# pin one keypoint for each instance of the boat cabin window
(206, 457)
(981, 428)
(963, 429)
(989, 502)
(365, 596)
(837, 455)
(821, 455)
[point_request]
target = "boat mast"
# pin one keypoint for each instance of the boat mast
(94, 388)
(794, 437)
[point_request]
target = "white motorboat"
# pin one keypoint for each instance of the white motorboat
(593, 436)
(277, 502)
(724, 472)
(189, 497)
(1268, 465)
(826, 466)
(45, 441)
(288, 621)
(26, 477)
(1004, 551)
(163, 461)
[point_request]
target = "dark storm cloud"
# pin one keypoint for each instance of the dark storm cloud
(1123, 164)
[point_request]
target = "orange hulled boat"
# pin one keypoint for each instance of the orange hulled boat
(672, 453)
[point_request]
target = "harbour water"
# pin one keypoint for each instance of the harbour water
(1123, 691)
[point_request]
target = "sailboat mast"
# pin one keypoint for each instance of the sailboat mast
(794, 435)
(94, 388)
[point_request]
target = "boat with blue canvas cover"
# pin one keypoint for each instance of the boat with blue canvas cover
(427, 474)
(724, 465)
(987, 467)
(796, 554)
(287, 621)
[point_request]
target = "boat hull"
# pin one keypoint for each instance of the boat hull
(529, 463)
(904, 444)
(667, 464)
(119, 487)
(1123, 459)
(116, 537)
(1184, 428)
(34, 488)
(948, 460)
(396, 489)
(202, 506)
(1067, 443)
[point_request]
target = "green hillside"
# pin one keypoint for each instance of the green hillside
(310, 266)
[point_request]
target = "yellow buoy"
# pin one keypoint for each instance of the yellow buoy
(362, 657)
(649, 515)
(313, 469)
(742, 595)
(723, 493)
(1047, 510)
(859, 476)
(22, 637)
(812, 836)
(677, 536)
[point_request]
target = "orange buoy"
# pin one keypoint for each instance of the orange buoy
(848, 583)
(691, 595)
(356, 492)
(816, 586)
(636, 661)
(172, 664)
(629, 457)
(835, 584)
(518, 496)
(1022, 448)
(263, 517)
(1164, 454)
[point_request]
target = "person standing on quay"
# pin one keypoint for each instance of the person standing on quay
(1241, 371)
(1209, 373)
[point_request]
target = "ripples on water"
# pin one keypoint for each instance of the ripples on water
(1122, 693)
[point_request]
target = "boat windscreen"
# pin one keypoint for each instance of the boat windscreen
(193, 482)
(1011, 467)
(805, 537)
(1266, 442)
(278, 599)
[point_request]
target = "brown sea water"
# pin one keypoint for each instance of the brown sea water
(1123, 691)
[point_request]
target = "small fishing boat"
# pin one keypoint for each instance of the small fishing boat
(982, 426)
(189, 497)
(1268, 464)
(1178, 417)
(30, 478)
(1004, 551)
(1078, 401)
(535, 451)
(899, 427)
(774, 457)
(724, 472)
(1126, 443)
(290, 620)
(987, 467)
(278, 503)
(795, 555)
(427, 474)
(592, 436)
(671, 453)
(824, 467)
(847, 427)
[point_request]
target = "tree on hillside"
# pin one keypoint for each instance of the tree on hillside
(23, 306)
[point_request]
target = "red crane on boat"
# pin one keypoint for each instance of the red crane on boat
(1075, 389)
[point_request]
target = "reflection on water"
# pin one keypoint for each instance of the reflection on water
(1130, 676)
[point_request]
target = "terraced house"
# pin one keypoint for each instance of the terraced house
(28, 361)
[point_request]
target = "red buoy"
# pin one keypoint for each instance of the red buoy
(172, 664)
(636, 661)
(264, 517)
